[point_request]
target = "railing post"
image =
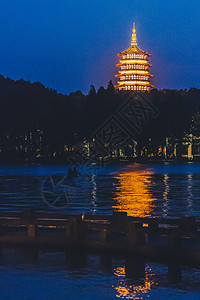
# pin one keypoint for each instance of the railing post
(105, 235)
(119, 220)
(28, 218)
(188, 225)
(135, 234)
(31, 230)
(75, 228)
(67, 229)
(152, 227)
(174, 240)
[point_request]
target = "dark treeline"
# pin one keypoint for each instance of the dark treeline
(27, 107)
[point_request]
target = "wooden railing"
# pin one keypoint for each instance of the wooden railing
(117, 232)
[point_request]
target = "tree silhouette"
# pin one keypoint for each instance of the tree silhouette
(27, 109)
(92, 91)
(110, 88)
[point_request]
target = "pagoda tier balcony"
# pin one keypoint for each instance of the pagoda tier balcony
(123, 78)
(134, 72)
(134, 62)
(134, 67)
(134, 82)
(138, 88)
(134, 87)
(133, 75)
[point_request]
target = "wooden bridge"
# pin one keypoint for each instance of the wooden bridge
(156, 238)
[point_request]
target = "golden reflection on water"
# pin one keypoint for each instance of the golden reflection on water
(125, 290)
(133, 193)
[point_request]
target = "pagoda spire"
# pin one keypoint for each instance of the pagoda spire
(134, 37)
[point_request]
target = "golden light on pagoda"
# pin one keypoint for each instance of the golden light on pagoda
(134, 68)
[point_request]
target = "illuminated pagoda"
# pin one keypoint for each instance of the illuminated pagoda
(133, 68)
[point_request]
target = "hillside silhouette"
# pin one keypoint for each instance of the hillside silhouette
(67, 119)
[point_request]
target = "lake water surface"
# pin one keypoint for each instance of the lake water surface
(167, 190)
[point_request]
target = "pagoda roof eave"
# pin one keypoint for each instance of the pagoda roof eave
(134, 73)
(133, 50)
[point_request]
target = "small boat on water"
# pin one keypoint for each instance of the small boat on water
(72, 173)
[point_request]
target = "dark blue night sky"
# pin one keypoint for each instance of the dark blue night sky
(68, 45)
